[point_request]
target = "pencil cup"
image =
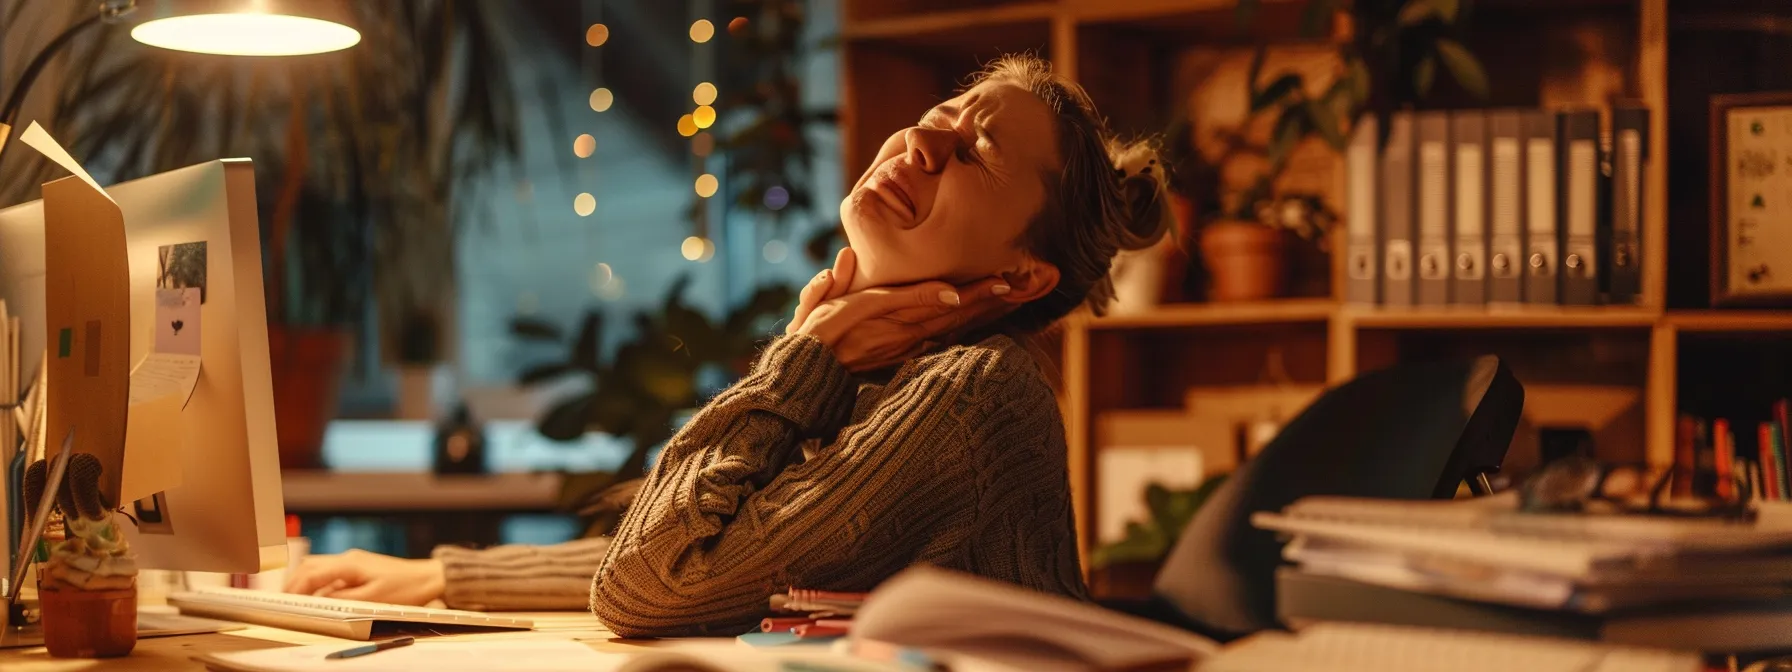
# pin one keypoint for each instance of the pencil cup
(89, 623)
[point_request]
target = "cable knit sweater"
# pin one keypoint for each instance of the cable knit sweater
(957, 461)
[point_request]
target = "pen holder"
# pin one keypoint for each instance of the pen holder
(89, 623)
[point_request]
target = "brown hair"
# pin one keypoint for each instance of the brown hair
(1106, 198)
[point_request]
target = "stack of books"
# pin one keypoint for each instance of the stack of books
(1716, 457)
(1699, 584)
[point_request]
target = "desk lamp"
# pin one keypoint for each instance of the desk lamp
(225, 27)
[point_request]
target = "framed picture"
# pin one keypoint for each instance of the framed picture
(1751, 199)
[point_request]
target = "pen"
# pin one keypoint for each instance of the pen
(371, 648)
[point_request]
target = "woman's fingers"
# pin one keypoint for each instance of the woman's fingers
(981, 301)
(812, 295)
(846, 266)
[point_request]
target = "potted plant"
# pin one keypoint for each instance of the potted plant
(1127, 568)
(1248, 235)
(360, 154)
(640, 391)
(87, 589)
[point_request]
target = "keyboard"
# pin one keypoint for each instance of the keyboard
(347, 619)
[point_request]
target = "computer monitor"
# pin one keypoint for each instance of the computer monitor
(226, 515)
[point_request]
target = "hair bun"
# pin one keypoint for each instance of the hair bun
(1143, 181)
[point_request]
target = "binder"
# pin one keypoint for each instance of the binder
(1630, 155)
(1362, 261)
(1468, 140)
(1397, 212)
(1433, 211)
(1578, 194)
(1505, 180)
(1542, 207)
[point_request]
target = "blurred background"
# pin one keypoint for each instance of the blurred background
(509, 246)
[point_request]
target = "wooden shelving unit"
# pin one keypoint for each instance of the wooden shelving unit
(902, 56)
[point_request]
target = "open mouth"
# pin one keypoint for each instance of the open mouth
(891, 190)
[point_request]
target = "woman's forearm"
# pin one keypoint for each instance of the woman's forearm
(521, 578)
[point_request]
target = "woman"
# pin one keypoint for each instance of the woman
(898, 421)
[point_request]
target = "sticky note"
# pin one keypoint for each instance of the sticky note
(65, 341)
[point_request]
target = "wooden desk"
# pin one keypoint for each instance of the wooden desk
(170, 654)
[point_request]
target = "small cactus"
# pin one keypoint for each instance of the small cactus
(94, 556)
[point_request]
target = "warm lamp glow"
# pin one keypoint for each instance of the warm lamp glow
(706, 185)
(584, 145)
(687, 126)
(704, 94)
(703, 144)
(705, 116)
(246, 34)
(597, 35)
(584, 204)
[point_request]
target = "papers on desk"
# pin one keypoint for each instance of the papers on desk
(544, 655)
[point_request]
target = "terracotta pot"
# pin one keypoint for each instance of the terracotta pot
(307, 367)
(89, 623)
(1246, 261)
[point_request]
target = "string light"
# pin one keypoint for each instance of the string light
(702, 30)
(777, 197)
(601, 98)
(706, 185)
(776, 251)
(692, 248)
(687, 126)
(705, 116)
(703, 144)
(601, 275)
(584, 145)
(597, 35)
(584, 204)
(737, 26)
(709, 251)
(704, 94)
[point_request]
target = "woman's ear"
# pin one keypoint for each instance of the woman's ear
(1031, 281)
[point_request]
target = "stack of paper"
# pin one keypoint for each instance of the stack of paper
(1613, 572)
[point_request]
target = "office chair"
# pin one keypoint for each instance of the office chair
(1413, 431)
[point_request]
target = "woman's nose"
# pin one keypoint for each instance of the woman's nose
(931, 148)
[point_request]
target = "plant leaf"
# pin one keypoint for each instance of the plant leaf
(1359, 82)
(1463, 66)
(536, 374)
(1315, 16)
(1326, 122)
(1256, 72)
(1416, 11)
(1423, 75)
(1287, 133)
(535, 329)
(567, 422)
(1447, 10)
(1275, 92)
(584, 350)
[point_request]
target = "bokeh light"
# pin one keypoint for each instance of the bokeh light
(737, 26)
(702, 30)
(584, 204)
(704, 94)
(703, 144)
(601, 99)
(692, 248)
(601, 276)
(706, 185)
(687, 126)
(776, 198)
(705, 116)
(709, 251)
(584, 145)
(597, 35)
(776, 251)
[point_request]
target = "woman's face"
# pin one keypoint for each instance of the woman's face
(948, 199)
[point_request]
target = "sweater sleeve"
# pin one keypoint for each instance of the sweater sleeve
(520, 578)
(704, 547)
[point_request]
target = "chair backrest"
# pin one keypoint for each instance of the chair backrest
(1414, 431)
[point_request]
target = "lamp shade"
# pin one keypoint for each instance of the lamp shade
(247, 27)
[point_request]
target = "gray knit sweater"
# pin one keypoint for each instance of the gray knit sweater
(957, 461)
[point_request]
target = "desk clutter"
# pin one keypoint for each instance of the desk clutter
(1710, 583)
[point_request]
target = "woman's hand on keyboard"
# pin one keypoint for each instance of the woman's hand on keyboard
(369, 577)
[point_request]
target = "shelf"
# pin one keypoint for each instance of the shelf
(1730, 320)
(1192, 21)
(1540, 317)
(335, 492)
(1221, 314)
(952, 27)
